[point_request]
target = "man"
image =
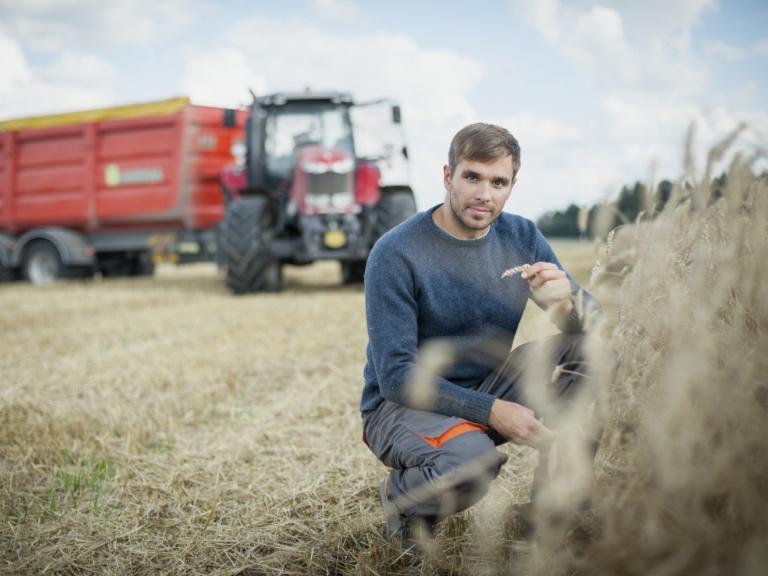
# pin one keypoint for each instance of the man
(438, 275)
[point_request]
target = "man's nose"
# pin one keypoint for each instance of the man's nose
(483, 191)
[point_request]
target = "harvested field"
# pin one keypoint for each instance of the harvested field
(155, 426)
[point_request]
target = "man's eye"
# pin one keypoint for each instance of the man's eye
(471, 177)
(498, 183)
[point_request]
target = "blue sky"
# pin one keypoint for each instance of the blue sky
(599, 93)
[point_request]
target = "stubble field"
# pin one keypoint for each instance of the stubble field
(164, 426)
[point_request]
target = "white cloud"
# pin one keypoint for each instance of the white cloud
(81, 68)
(622, 55)
(540, 131)
(720, 49)
(13, 64)
(597, 41)
(544, 16)
(53, 25)
(653, 19)
(72, 82)
(220, 77)
(337, 9)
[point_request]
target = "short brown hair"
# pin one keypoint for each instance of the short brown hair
(483, 142)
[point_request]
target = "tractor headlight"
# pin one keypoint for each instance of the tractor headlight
(342, 166)
(315, 167)
(342, 199)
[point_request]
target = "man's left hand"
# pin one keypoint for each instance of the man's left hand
(550, 287)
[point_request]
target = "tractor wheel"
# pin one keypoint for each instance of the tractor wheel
(353, 272)
(395, 207)
(246, 232)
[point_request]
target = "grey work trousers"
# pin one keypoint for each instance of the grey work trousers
(443, 464)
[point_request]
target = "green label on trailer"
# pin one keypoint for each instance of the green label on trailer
(114, 176)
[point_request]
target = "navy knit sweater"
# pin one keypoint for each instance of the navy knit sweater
(422, 283)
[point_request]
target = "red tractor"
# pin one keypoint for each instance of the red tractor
(321, 178)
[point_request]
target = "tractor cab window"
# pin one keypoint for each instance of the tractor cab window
(290, 128)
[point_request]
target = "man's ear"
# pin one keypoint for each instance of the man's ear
(446, 176)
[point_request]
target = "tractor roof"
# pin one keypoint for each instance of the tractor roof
(282, 98)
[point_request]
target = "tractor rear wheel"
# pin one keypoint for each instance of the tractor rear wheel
(395, 206)
(245, 236)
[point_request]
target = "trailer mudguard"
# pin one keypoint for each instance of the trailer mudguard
(73, 248)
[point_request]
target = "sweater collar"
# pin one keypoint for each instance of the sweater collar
(445, 235)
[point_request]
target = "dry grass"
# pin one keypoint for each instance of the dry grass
(682, 477)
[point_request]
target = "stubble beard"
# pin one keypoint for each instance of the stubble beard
(465, 220)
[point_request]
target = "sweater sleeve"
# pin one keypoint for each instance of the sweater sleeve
(392, 316)
(580, 298)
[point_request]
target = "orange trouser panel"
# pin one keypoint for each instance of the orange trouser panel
(452, 432)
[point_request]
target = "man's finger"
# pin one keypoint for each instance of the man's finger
(545, 277)
(537, 268)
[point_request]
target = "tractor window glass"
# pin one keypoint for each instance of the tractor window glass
(288, 130)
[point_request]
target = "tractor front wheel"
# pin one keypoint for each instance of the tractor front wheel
(245, 235)
(353, 272)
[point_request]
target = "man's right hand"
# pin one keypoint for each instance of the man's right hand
(518, 424)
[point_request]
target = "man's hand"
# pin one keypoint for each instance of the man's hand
(550, 287)
(518, 424)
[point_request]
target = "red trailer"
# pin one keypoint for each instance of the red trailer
(111, 190)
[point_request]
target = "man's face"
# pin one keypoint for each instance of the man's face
(477, 192)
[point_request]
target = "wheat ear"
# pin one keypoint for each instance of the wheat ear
(515, 270)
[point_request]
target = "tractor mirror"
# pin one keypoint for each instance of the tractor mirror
(396, 114)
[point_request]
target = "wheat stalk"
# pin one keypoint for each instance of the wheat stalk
(516, 270)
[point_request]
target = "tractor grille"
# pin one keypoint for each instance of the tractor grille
(330, 183)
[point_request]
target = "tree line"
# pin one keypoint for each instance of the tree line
(588, 221)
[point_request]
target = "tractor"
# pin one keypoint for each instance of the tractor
(320, 178)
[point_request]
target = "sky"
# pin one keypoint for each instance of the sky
(599, 94)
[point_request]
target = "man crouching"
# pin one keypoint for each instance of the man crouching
(437, 275)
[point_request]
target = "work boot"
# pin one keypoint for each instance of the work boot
(401, 528)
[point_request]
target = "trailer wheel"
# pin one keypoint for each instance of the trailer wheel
(42, 263)
(353, 272)
(395, 206)
(7, 274)
(246, 232)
